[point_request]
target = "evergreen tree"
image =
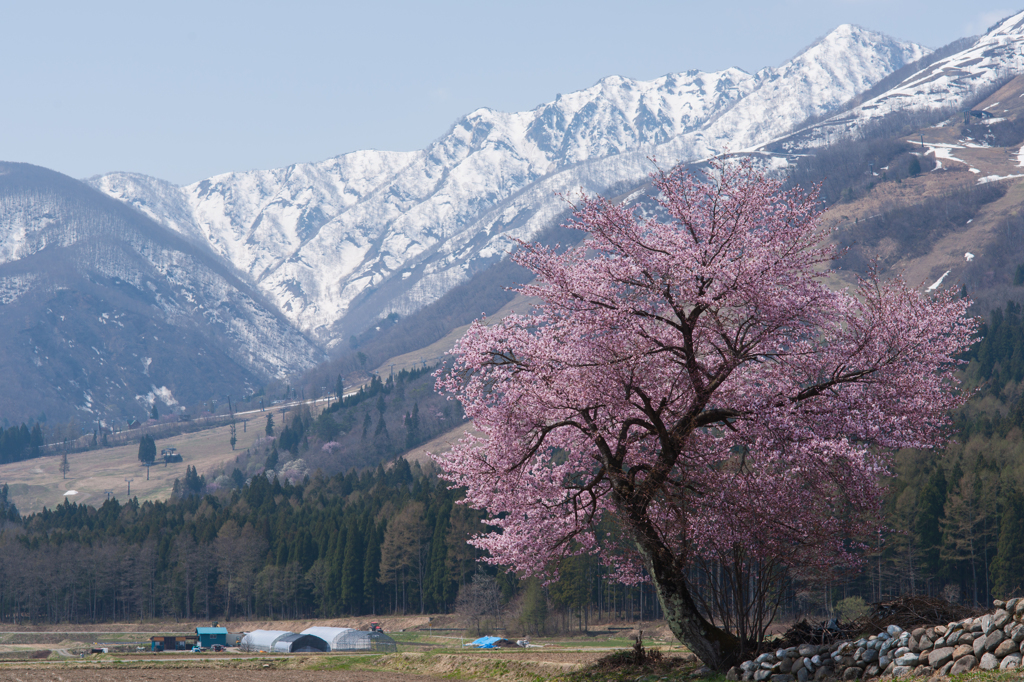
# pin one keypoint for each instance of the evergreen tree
(64, 466)
(352, 569)
(1008, 566)
(147, 449)
(412, 427)
(371, 569)
(927, 525)
(153, 414)
(535, 608)
(270, 424)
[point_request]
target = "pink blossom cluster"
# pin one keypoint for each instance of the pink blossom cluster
(690, 382)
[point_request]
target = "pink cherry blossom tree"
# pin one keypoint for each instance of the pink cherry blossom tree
(690, 379)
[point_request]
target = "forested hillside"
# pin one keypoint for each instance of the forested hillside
(376, 542)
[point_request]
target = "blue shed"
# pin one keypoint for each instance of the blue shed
(210, 636)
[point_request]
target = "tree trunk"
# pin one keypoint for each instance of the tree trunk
(715, 647)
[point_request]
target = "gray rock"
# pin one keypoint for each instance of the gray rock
(1012, 604)
(964, 664)
(786, 666)
(987, 624)
(762, 675)
(902, 671)
(900, 651)
(765, 657)
(975, 625)
(940, 657)
(780, 654)
(914, 644)
(1018, 610)
(809, 665)
(994, 639)
(917, 633)
(816, 659)
(749, 666)
(807, 650)
(1010, 662)
(1000, 618)
(939, 643)
(953, 637)
(944, 670)
(989, 662)
(735, 674)
(883, 662)
(1005, 648)
(869, 656)
(862, 642)
(767, 666)
(802, 674)
(872, 671)
(998, 603)
(908, 659)
(1018, 634)
(822, 674)
(962, 650)
(851, 673)
(894, 630)
(979, 647)
(925, 643)
(966, 637)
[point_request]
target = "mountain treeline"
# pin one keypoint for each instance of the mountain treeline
(382, 541)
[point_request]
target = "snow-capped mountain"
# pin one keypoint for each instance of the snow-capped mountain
(337, 244)
(945, 85)
(105, 310)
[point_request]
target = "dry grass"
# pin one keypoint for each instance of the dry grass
(37, 483)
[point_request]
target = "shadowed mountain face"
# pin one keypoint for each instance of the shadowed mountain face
(105, 310)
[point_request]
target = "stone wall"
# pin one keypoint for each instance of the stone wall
(990, 642)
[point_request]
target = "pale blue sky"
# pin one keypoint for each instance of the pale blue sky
(184, 90)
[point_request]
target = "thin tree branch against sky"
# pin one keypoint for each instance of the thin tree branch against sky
(186, 90)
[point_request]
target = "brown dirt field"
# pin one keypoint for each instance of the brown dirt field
(110, 674)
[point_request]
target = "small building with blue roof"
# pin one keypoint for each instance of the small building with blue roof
(210, 636)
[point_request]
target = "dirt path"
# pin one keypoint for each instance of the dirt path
(36, 674)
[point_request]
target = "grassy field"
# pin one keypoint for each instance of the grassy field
(37, 483)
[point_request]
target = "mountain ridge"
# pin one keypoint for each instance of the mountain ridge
(428, 219)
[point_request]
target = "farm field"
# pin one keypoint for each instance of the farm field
(37, 483)
(421, 656)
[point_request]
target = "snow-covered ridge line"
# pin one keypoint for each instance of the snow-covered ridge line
(368, 233)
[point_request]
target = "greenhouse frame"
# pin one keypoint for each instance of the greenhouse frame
(347, 639)
(282, 641)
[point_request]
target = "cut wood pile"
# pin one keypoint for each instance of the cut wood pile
(988, 642)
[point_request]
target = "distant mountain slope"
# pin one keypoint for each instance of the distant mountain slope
(105, 310)
(339, 244)
(943, 86)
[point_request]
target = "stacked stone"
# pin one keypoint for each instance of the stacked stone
(989, 642)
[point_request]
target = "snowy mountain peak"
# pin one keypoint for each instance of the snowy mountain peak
(1012, 25)
(337, 244)
(944, 84)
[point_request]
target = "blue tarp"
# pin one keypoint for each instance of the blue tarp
(485, 642)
